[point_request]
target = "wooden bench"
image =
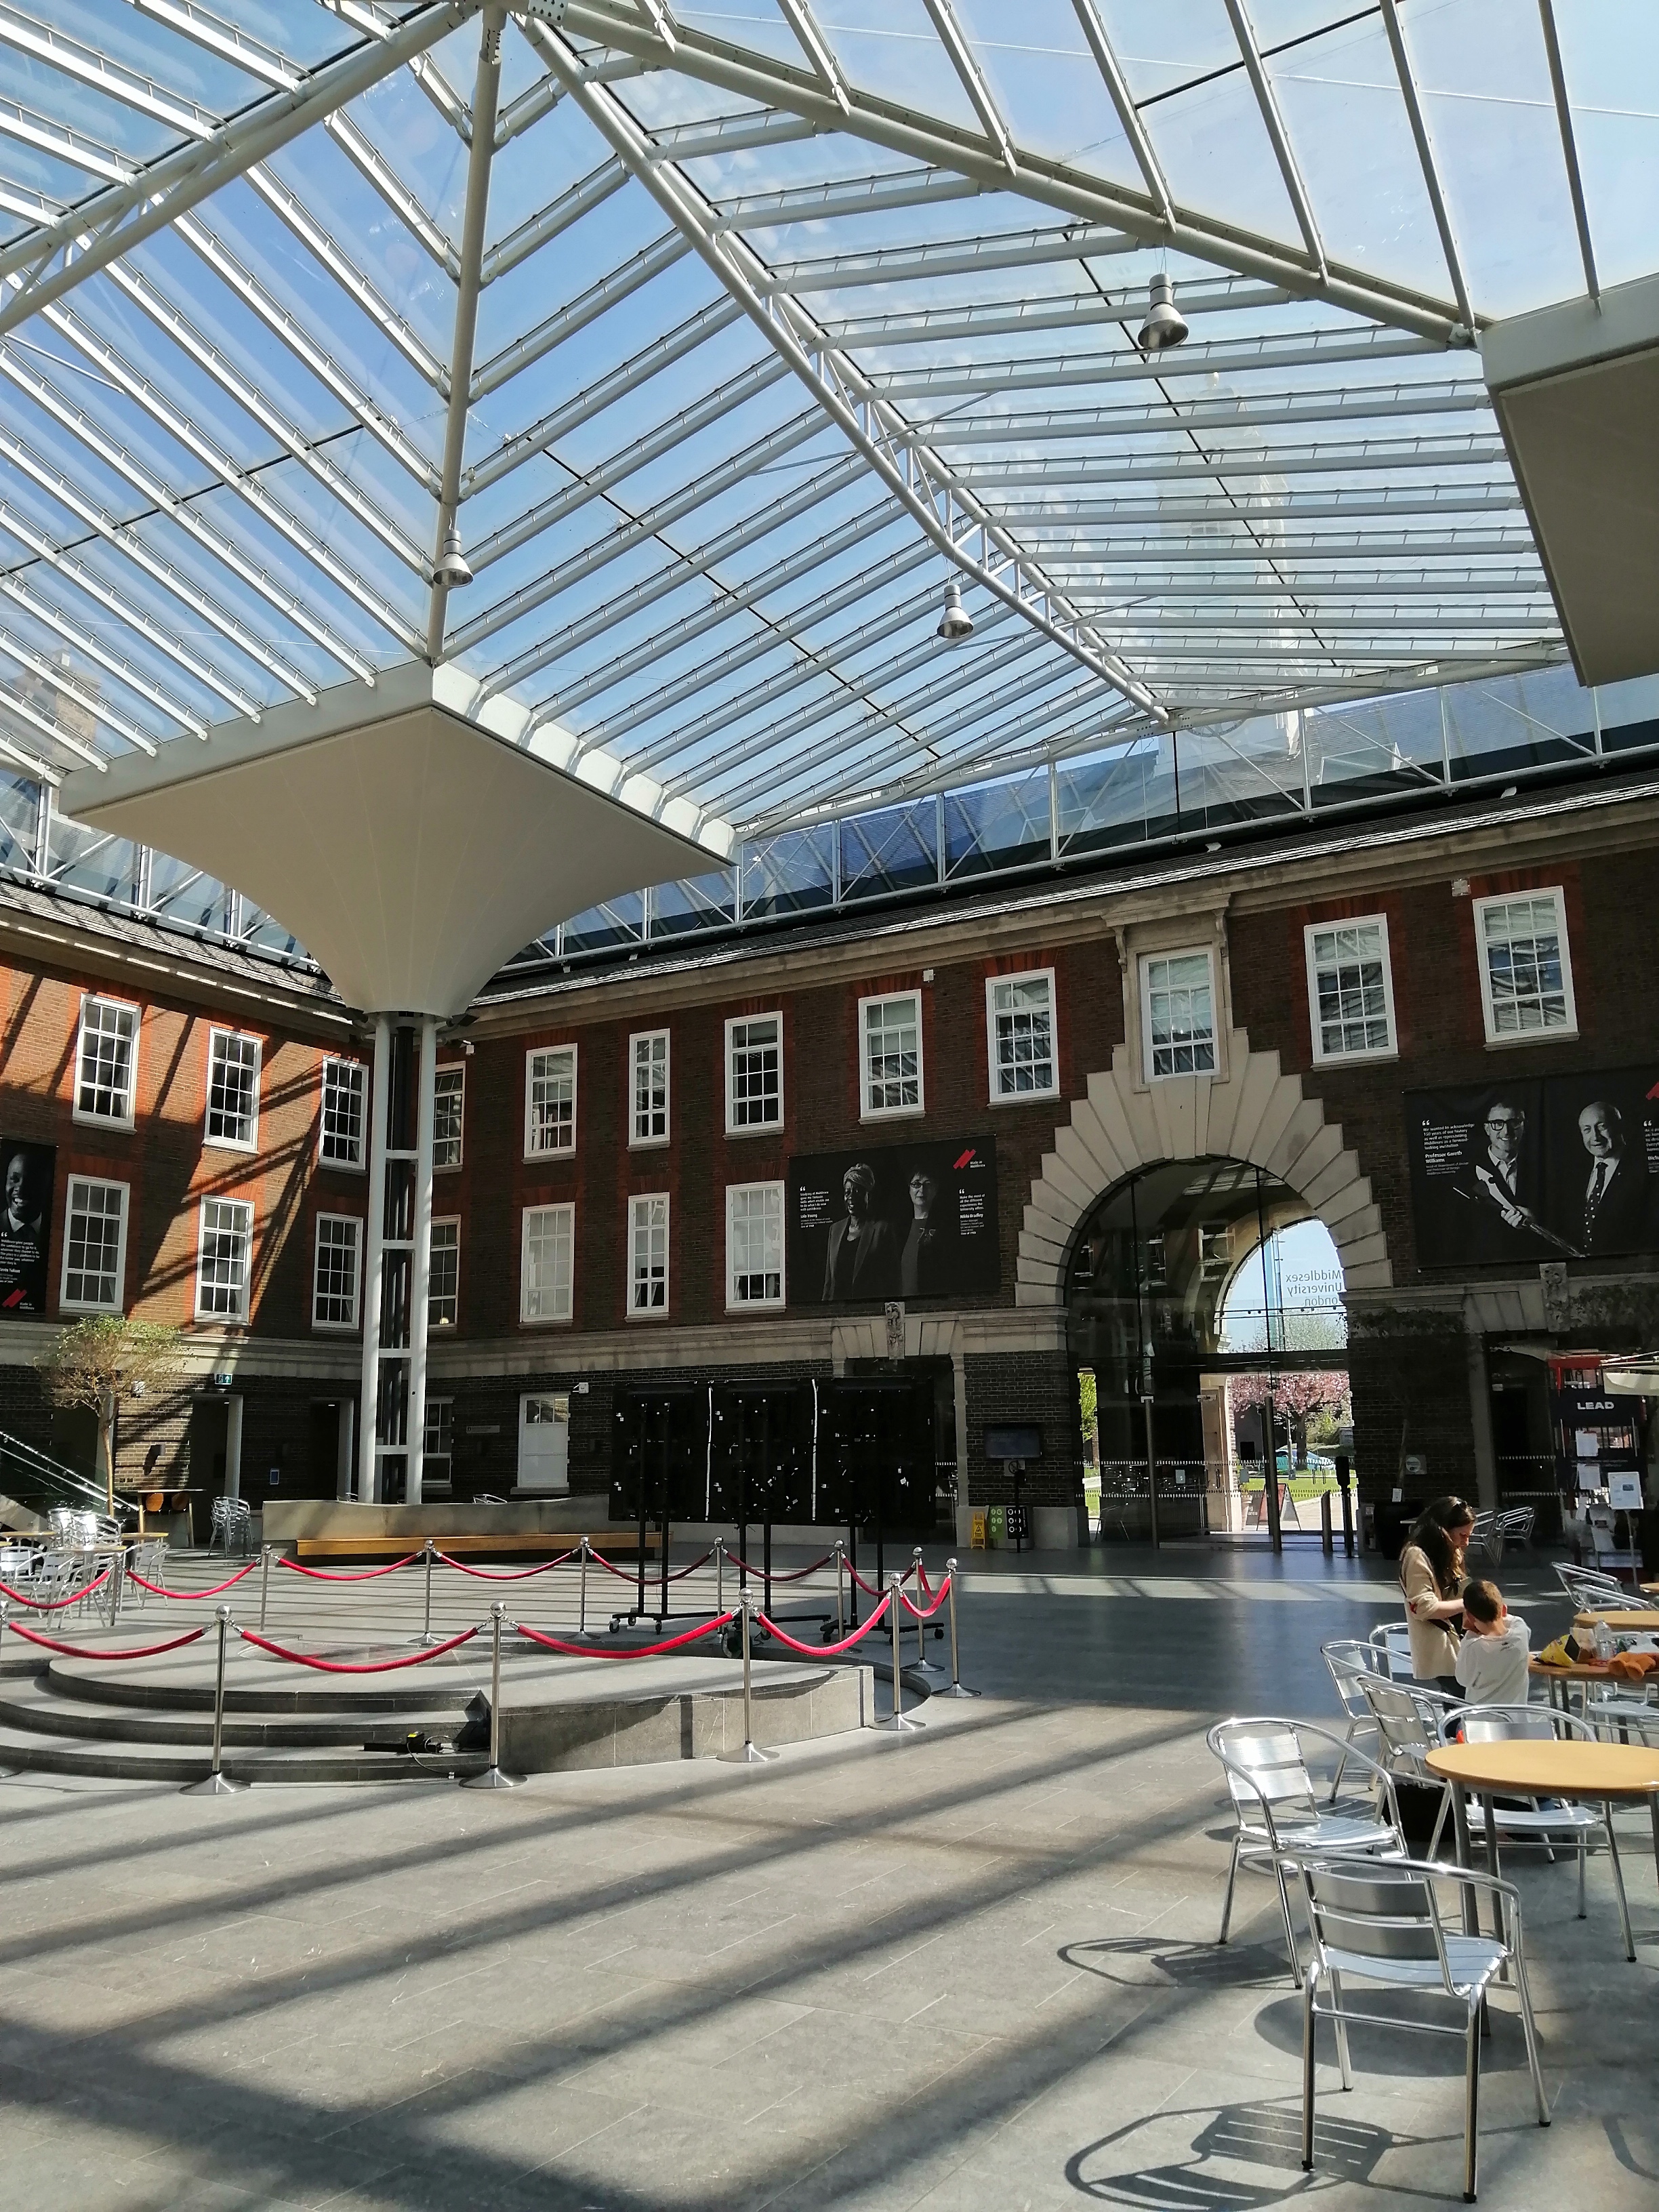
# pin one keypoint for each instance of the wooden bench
(613, 1542)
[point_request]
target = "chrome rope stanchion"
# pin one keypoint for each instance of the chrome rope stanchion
(117, 1565)
(925, 1666)
(840, 1589)
(215, 1782)
(719, 1574)
(492, 1778)
(264, 1582)
(426, 1635)
(899, 1723)
(751, 1755)
(958, 1687)
(581, 1620)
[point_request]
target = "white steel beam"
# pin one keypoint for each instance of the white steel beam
(15, 588)
(1425, 144)
(973, 82)
(842, 196)
(43, 264)
(998, 319)
(226, 41)
(1226, 357)
(539, 230)
(718, 315)
(1106, 61)
(641, 528)
(127, 611)
(773, 631)
(797, 14)
(1278, 137)
(366, 157)
(160, 572)
(486, 94)
(1065, 470)
(651, 446)
(1060, 185)
(576, 315)
(1286, 506)
(1214, 551)
(87, 697)
(1569, 147)
(948, 514)
(1266, 410)
(912, 263)
(178, 510)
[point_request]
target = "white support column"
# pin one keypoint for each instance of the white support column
(425, 1108)
(374, 1244)
(964, 1503)
(344, 1453)
(234, 1445)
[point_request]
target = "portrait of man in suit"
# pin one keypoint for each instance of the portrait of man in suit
(1499, 1187)
(1615, 1214)
(861, 1260)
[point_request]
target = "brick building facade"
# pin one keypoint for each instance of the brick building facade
(1333, 1127)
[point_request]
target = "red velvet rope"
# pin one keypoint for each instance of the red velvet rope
(825, 1650)
(680, 1573)
(869, 1589)
(57, 1604)
(350, 1574)
(157, 1590)
(85, 1652)
(631, 1652)
(502, 1574)
(355, 1666)
(622, 1574)
(922, 1583)
(918, 1613)
(795, 1574)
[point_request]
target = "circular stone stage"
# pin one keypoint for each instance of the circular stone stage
(152, 1719)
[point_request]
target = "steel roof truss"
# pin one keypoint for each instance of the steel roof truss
(82, 641)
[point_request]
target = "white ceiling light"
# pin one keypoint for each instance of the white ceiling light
(452, 571)
(956, 623)
(1165, 325)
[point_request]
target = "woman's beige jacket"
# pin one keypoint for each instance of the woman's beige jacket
(1434, 1642)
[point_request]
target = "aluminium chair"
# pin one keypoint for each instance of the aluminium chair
(1484, 1536)
(1392, 1641)
(1410, 1724)
(1557, 1821)
(1383, 1924)
(1515, 1525)
(1347, 1659)
(1277, 1813)
(1591, 1592)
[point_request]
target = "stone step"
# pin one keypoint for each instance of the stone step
(22, 1750)
(43, 1708)
(184, 1682)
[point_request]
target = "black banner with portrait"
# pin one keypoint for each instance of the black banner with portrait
(1558, 1168)
(27, 1175)
(900, 1221)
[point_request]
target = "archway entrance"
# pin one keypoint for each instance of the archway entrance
(1200, 1295)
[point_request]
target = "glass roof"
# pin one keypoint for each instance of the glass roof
(722, 338)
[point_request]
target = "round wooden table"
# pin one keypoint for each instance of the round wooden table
(1605, 1773)
(1629, 1621)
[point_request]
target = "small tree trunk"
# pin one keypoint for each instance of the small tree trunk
(106, 1446)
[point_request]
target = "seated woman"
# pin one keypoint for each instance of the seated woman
(1432, 1577)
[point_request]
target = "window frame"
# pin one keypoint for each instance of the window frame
(360, 1165)
(636, 1200)
(637, 1037)
(1480, 909)
(129, 1121)
(733, 1303)
(251, 1143)
(567, 1208)
(338, 1327)
(65, 1303)
(457, 1069)
(1045, 975)
(533, 1053)
(867, 1110)
(443, 1221)
(1389, 1051)
(238, 1319)
(734, 1128)
(1206, 953)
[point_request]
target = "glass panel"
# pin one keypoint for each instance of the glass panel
(892, 851)
(1000, 825)
(789, 873)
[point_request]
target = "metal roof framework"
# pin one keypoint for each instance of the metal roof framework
(718, 340)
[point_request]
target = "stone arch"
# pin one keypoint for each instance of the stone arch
(1256, 1112)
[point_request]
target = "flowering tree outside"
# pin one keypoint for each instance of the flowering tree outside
(1302, 1399)
(93, 1362)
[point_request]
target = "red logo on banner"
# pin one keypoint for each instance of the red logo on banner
(957, 1165)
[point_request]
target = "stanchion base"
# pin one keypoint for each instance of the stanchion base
(958, 1690)
(213, 1785)
(750, 1755)
(491, 1778)
(925, 1671)
(901, 1724)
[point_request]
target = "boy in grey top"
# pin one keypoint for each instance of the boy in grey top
(1495, 1651)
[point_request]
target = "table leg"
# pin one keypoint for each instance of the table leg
(1488, 1806)
(1461, 1838)
(1653, 1814)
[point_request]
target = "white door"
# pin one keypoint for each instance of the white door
(544, 1443)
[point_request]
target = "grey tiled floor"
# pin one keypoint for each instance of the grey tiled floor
(973, 1968)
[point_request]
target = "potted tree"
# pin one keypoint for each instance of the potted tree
(94, 1361)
